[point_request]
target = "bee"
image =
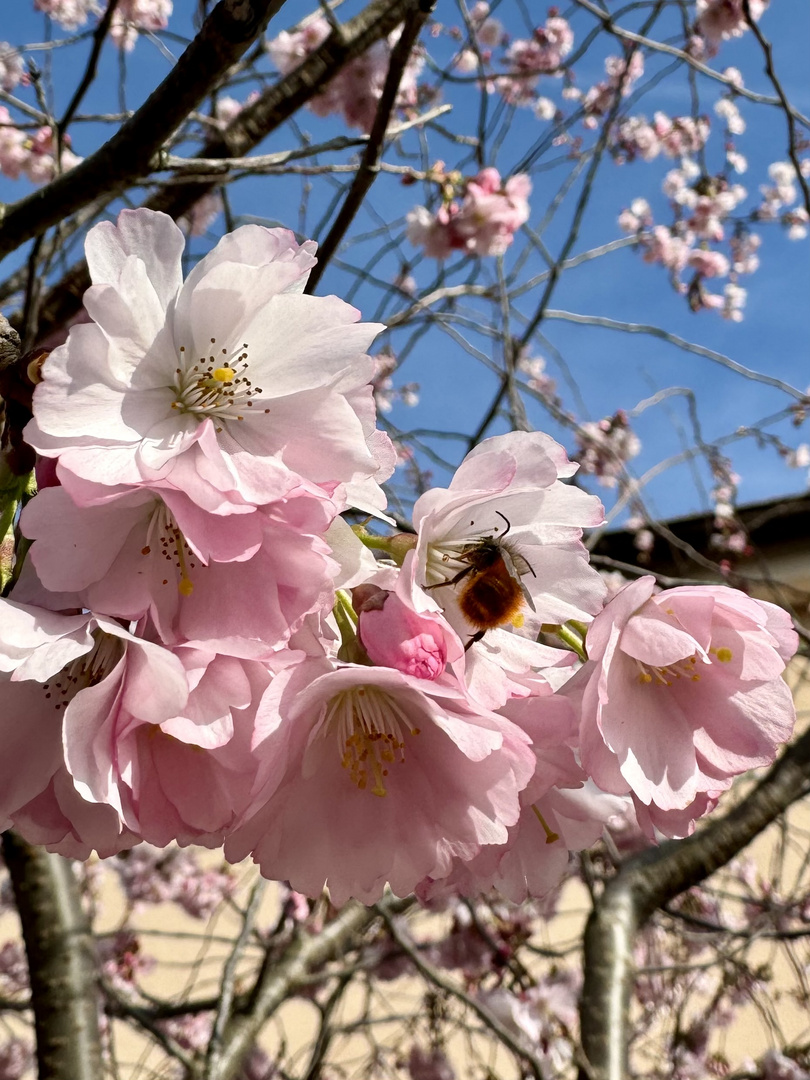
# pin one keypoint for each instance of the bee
(491, 592)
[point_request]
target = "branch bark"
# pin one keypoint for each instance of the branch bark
(281, 976)
(61, 962)
(225, 35)
(654, 877)
(245, 131)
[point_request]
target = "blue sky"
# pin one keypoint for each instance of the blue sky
(611, 370)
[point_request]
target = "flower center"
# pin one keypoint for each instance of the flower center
(685, 669)
(84, 671)
(216, 385)
(370, 727)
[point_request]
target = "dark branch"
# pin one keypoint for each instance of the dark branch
(225, 35)
(245, 131)
(61, 962)
(368, 168)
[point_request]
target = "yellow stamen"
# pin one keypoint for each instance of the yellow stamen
(223, 374)
(186, 585)
(724, 655)
(551, 837)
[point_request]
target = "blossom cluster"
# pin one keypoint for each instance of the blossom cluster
(355, 92)
(479, 215)
(199, 648)
(129, 18)
(33, 155)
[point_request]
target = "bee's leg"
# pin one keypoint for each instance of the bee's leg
(473, 639)
(451, 581)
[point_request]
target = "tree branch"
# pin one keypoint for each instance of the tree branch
(225, 35)
(61, 962)
(653, 878)
(369, 166)
(281, 976)
(244, 132)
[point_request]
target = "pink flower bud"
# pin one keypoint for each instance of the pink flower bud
(395, 636)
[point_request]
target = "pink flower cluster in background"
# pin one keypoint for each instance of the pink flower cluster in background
(481, 221)
(130, 16)
(200, 649)
(356, 90)
(31, 154)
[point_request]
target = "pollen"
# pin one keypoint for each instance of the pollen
(724, 655)
(518, 620)
(223, 374)
(369, 727)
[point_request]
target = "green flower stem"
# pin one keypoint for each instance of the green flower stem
(572, 639)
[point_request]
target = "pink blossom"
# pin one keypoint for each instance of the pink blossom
(216, 385)
(16, 1059)
(13, 968)
(483, 223)
(607, 446)
(622, 73)
(777, 1066)
(70, 14)
(719, 20)
(559, 811)
(357, 88)
(12, 69)
(492, 212)
(682, 692)
(186, 776)
(131, 552)
(289, 50)
(430, 231)
(661, 245)
(62, 821)
(203, 213)
(13, 152)
(528, 59)
(67, 674)
(132, 16)
(429, 1064)
(373, 777)
(709, 263)
(511, 482)
(121, 959)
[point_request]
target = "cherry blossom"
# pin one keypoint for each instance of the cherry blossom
(68, 673)
(348, 746)
(70, 14)
(12, 69)
(483, 223)
(132, 16)
(356, 90)
(719, 20)
(165, 384)
(529, 58)
(134, 553)
(683, 691)
(607, 446)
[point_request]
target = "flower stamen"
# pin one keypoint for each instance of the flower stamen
(370, 735)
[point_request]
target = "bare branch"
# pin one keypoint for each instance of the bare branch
(224, 37)
(650, 880)
(61, 961)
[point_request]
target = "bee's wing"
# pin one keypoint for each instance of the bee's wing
(517, 567)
